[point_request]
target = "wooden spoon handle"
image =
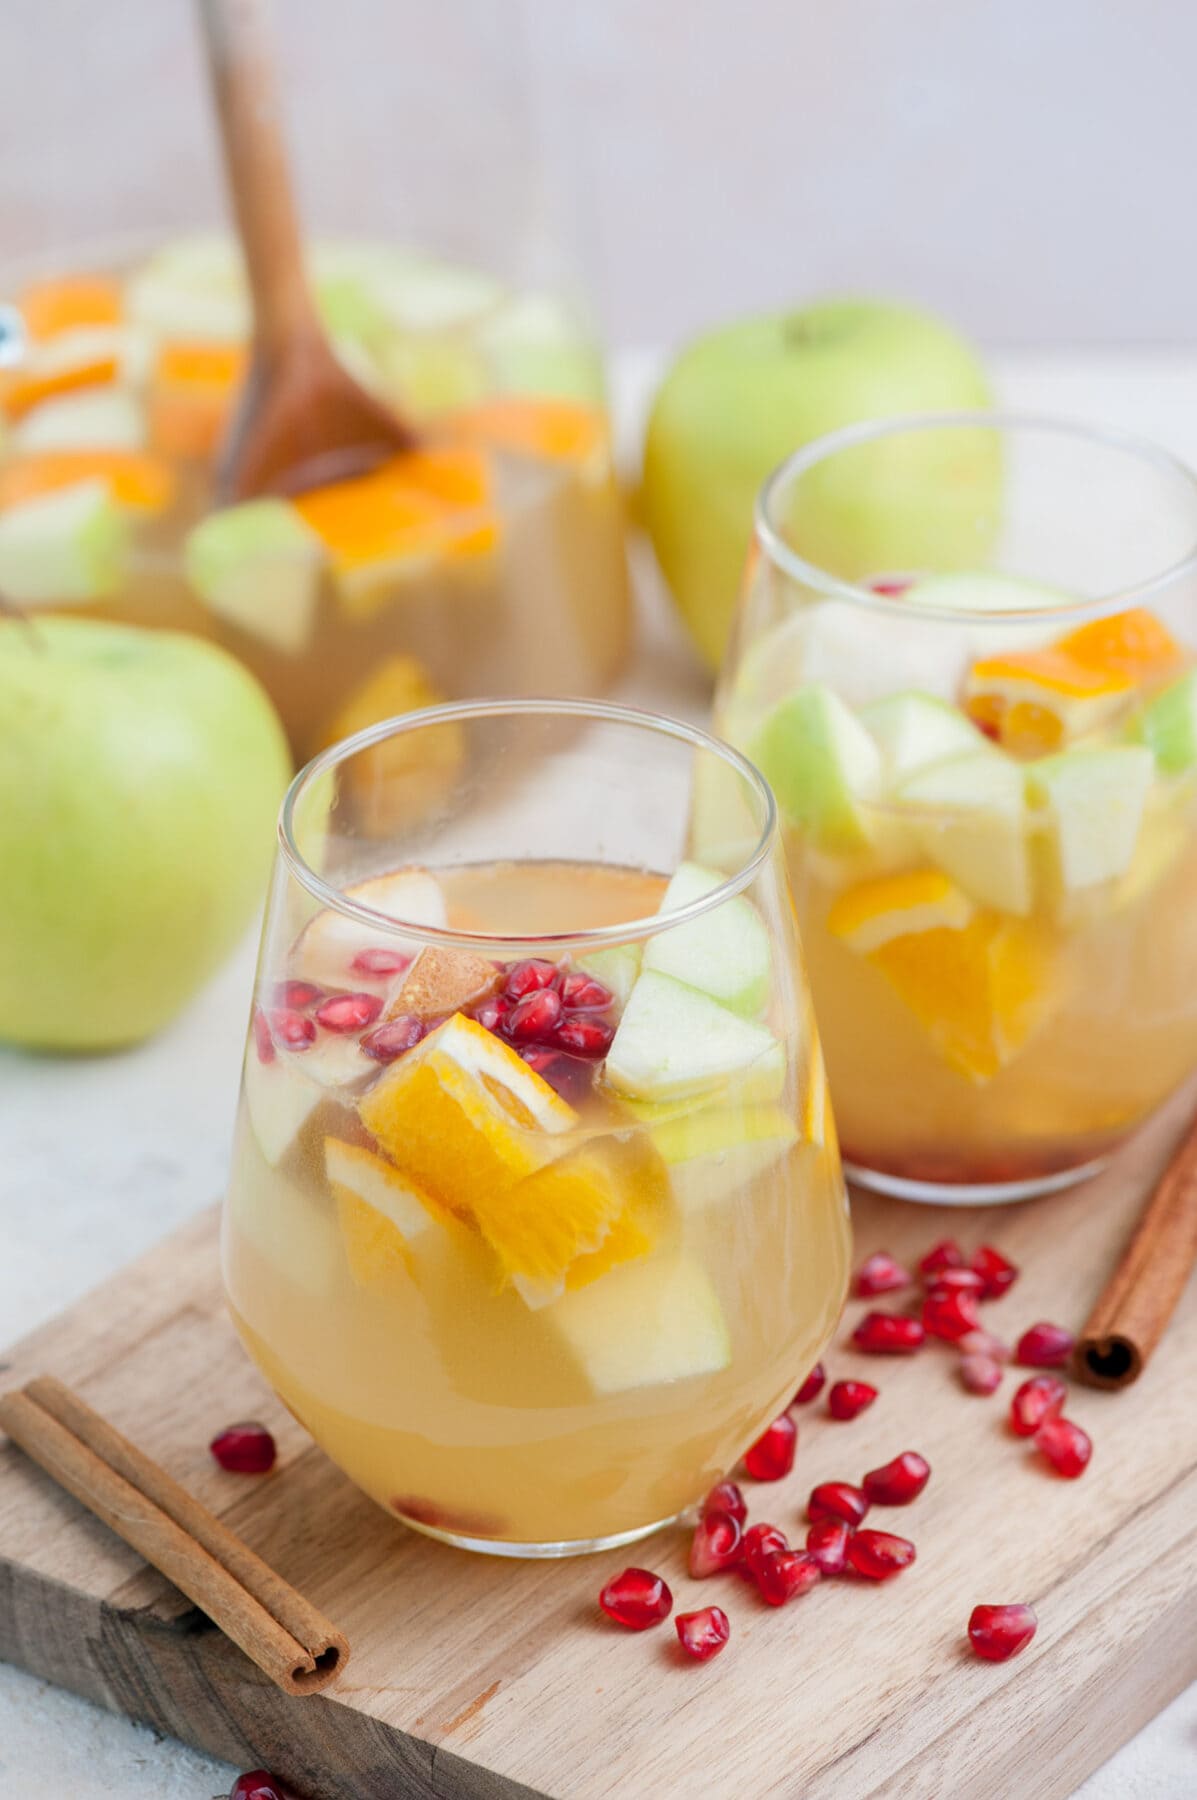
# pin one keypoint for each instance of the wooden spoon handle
(242, 74)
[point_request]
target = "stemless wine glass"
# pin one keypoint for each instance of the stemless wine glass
(536, 1215)
(965, 663)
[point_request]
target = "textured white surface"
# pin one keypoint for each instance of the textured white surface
(101, 1157)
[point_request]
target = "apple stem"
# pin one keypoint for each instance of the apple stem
(12, 611)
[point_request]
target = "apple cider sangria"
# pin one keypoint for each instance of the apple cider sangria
(536, 1215)
(980, 724)
(491, 558)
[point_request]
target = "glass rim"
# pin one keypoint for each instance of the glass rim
(789, 562)
(597, 711)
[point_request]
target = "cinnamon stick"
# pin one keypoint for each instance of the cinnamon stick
(1129, 1319)
(284, 1634)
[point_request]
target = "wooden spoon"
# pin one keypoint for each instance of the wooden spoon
(302, 420)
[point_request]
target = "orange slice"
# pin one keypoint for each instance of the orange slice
(49, 307)
(397, 782)
(460, 477)
(566, 1225)
(1133, 643)
(380, 1215)
(192, 389)
(135, 479)
(22, 390)
(550, 430)
(872, 912)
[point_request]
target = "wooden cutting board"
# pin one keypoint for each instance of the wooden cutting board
(480, 1678)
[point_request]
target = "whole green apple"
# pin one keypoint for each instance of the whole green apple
(140, 776)
(740, 400)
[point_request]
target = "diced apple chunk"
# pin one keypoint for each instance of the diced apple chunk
(975, 825)
(673, 1041)
(823, 766)
(258, 565)
(644, 1323)
(724, 952)
(332, 940)
(67, 545)
(1094, 800)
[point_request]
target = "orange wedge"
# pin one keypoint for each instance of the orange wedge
(1133, 643)
(49, 307)
(191, 395)
(550, 430)
(872, 912)
(22, 390)
(135, 479)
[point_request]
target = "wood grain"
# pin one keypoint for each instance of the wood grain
(478, 1679)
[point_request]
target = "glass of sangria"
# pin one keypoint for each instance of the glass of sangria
(965, 662)
(536, 1216)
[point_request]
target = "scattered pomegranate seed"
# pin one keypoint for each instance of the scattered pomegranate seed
(292, 1028)
(889, 1334)
(703, 1634)
(1066, 1447)
(878, 1554)
(899, 1482)
(837, 1500)
(388, 1041)
(812, 1387)
(785, 1574)
(570, 1076)
(716, 1544)
(761, 1541)
(726, 1497)
(297, 995)
(984, 1343)
(979, 1374)
(958, 1281)
(244, 1449)
(528, 977)
(380, 961)
(848, 1398)
(349, 1012)
(998, 1274)
(259, 1785)
(997, 1633)
(582, 993)
(772, 1456)
(879, 1274)
(491, 1012)
(1039, 1399)
(263, 1042)
(637, 1598)
(534, 1019)
(1044, 1346)
(947, 1254)
(580, 1035)
(827, 1542)
(949, 1313)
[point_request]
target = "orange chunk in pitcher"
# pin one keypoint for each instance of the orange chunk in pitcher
(135, 479)
(71, 301)
(551, 430)
(21, 390)
(868, 915)
(192, 390)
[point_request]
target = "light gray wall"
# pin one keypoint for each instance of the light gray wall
(1026, 165)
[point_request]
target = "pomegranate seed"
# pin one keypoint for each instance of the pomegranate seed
(703, 1634)
(292, 1029)
(879, 1274)
(388, 1041)
(1066, 1447)
(997, 1272)
(899, 1482)
(837, 1500)
(889, 1334)
(259, 1785)
(761, 1541)
(997, 1633)
(949, 1313)
(245, 1449)
(298, 995)
(263, 1042)
(582, 993)
(528, 977)
(716, 1544)
(848, 1398)
(785, 1574)
(958, 1281)
(349, 1012)
(1039, 1399)
(1044, 1346)
(878, 1554)
(637, 1599)
(570, 1076)
(380, 961)
(534, 1019)
(581, 1036)
(772, 1456)
(894, 586)
(984, 1343)
(812, 1387)
(726, 1497)
(947, 1254)
(980, 1374)
(827, 1542)
(491, 1012)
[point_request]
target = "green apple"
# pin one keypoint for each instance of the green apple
(1168, 725)
(976, 826)
(740, 400)
(823, 766)
(673, 1042)
(715, 1154)
(140, 775)
(913, 729)
(616, 967)
(102, 418)
(65, 546)
(724, 952)
(1094, 800)
(655, 1320)
(258, 565)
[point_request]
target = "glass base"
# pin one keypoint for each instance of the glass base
(530, 1552)
(983, 1193)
